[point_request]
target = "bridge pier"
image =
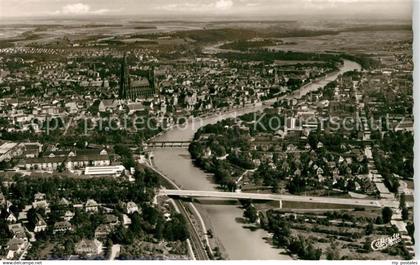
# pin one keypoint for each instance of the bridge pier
(280, 204)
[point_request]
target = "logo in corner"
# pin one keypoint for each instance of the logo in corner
(385, 242)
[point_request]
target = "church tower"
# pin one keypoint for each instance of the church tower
(124, 79)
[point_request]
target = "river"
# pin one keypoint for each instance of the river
(237, 242)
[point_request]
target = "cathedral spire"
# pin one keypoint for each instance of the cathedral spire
(124, 79)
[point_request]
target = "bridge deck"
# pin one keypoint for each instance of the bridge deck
(271, 197)
(168, 144)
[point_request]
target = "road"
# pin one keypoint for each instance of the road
(272, 197)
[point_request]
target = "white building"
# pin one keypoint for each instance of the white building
(105, 171)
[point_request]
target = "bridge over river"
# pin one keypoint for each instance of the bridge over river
(168, 144)
(272, 197)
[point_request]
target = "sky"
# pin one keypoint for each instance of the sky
(210, 8)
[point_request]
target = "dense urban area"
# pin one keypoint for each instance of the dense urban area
(85, 106)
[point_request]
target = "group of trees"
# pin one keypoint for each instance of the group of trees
(245, 45)
(329, 90)
(404, 210)
(250, 212)
(280, 226)
(282, 237)
(331, 141)
(126, 155)
(4, 232)
(394, 158)
(387, 215)
(304, 248)
(400, 155)
(221, 141)
(269, 176)
(364, 60)
(269, 56)
(152, 222)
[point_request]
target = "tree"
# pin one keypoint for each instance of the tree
(404, 214)
(387, 215)
(369, 228)
(68, 247)
(251, 213)
(410, 230)
(135, 226)
(281, 233)
(313, 140)
(176, 229)
(4, 232)
(126, 156)
(218, 149)
(305, 249)
(332, 252)
(61, 167)
(122, 236)
(32, 218)
(402, 200)
(367, 245)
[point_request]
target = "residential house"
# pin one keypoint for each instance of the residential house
(131, 208)
(64, 202)
(23, 216)
(108, 105)
(40, 202)
(16, 247)
(88, 247)
(17, 230)
(107, 209)
(91, 206)
(102, 231)
(135, 107)
(32, 150)
(111, 220)
(71, 107)
(11, 218)
(40, 224)
(68, 216)
(62, 227)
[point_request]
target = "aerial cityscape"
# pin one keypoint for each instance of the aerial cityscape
(206, 130)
